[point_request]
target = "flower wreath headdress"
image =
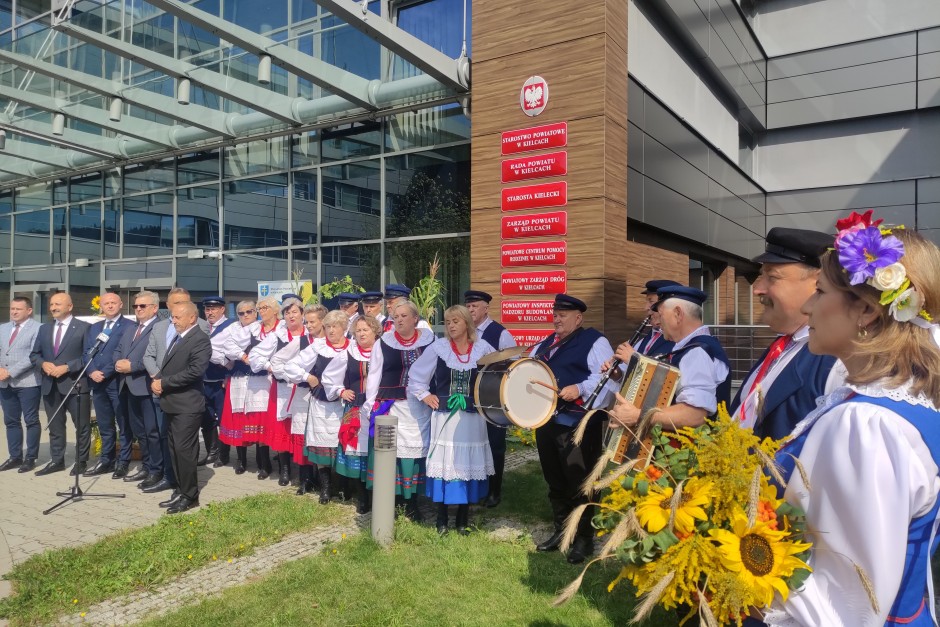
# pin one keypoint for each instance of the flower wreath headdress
(871, 254)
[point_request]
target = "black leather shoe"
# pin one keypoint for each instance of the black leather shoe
(219, 463)
(263, 474)
(28, 465)
(99, 469)
(10, 464)
(172, 500)
(78, 468)
(182, 505)
(492, 500)
(581, 549)
(50, 468)
(159, 486)
(140, 475)
(151, 480)
(551, 544)
(120, 471)
(239, 468)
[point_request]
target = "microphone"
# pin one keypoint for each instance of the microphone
(100, 341)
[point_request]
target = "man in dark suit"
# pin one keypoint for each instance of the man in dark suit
(782, 387)
(136, 400)
(103, 381)
(58, 354)
(180, 387)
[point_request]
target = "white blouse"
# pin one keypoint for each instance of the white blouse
(870, 473)
(239, 338)
(298, 368)
(422, 371)
(377, 360)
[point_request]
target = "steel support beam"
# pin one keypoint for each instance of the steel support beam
(76, 140)
(34, 152)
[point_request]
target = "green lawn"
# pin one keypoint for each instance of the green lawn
(525, 496)
(66, 580)
(422, 579)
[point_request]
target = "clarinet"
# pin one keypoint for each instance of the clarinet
(614, 365)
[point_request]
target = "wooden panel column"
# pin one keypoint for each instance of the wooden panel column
(580, 49)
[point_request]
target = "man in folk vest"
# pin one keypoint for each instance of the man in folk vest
(575, 355)
(496, 335)
(655, 343)
(705, 373)
(214, 381)
(782, 387)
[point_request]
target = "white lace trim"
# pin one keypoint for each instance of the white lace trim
(876, 390)
(443, 350)
(411, 452)
(323, 348)
(436, 470)
(425, 337)
(355, 354)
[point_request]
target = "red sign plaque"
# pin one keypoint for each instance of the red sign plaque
(535, 138)
(541, 254)
(535, 166)
(534, 196)
(530, 337)
(546, 282)
(535, 225)
(527, 311)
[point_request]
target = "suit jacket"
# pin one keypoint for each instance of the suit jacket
(71, 348)
(792, 395)
(104, 360)
(156, 347)
(181, 374)
(137, 381)
(16, 357)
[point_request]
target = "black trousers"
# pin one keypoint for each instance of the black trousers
(566, 466)
(184, 450)
(79, 408)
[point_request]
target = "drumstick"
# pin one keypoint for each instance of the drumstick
(545, 385)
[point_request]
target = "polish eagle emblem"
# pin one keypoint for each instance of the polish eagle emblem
(533, 96)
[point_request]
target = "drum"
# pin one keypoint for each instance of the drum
(516, 392)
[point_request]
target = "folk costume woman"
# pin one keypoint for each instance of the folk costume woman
(273, 354)
(320, 365)
(352, 454)
(386, 393)
(459, 458)
(248, 399)
(864, 464)
(247, 313)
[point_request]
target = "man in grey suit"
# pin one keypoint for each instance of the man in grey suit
(57, 352)
(180, 387)
(19, 385)
(161, 336)
(134, 393)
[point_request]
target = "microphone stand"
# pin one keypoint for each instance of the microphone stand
(76, 493)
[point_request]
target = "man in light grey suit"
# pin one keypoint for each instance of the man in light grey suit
(161, 336)
(19, 385)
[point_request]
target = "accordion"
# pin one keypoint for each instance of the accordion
(648, 383)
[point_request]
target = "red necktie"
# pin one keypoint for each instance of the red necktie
(16, 329)
(58, 338)
(140, 327)
(775, 350)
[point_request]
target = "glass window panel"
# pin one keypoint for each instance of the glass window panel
(112, 182)
(256, 213)
(303, 10)
(198, 167)
(148, 176)
(427, 127)
(112, 229)
(193, 40)
(84, 285)
(6, 16)
(306, 259)
(197, 221)
(349, 49)
(257, 157)
(85, 232)
(59, 233)
(155, 34)
(28, 9)
(305, 150)
(354, 140)
(60, 190)
(304, 43)
(32, 238)
(428, 192)
(260, 17)
(438, 23)
(6, 202)
(139, 270)
(242, 272)
(87, 187)
(148, 225)
(36, 196)
(199, 276)
(6, 257)
(361, 262)
(305, 208)
(407, 263)
(352, 200)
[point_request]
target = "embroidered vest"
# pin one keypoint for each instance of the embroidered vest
(448, 382)
(395, 367)
(355, 379)
(569, 364)
(492, 333)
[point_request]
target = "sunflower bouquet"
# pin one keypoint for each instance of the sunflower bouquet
(697, 525)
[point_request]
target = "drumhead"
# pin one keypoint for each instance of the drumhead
(527, 404)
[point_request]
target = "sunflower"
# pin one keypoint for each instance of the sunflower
(655, 509)
(761, 557)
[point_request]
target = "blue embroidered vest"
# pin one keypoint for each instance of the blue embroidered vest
(396, 363)
(448, 382)
(356, 374)
(712, 347)
(492, 333)
(569, 364)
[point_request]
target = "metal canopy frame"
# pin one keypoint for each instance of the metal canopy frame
(125, 137)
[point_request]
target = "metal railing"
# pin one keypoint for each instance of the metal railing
(744, 344)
